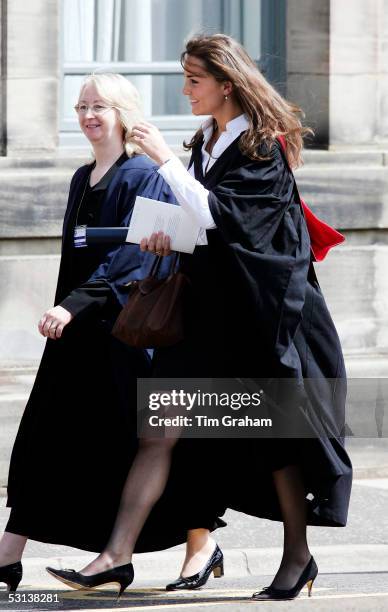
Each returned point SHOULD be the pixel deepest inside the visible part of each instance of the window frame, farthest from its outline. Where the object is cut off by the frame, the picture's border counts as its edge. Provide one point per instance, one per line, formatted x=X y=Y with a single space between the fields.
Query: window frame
x=178 y=127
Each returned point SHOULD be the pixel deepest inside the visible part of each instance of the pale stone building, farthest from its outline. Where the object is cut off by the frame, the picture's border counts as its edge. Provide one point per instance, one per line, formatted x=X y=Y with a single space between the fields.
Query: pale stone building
x=329 y=56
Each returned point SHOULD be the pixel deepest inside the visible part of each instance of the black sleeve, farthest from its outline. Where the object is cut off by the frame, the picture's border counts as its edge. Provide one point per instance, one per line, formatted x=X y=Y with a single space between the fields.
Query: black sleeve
x=90 y=295
x=125 y=262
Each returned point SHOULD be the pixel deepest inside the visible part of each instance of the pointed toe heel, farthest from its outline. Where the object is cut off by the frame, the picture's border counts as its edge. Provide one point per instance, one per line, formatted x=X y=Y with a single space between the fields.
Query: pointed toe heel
x=11 y=575
x=122 y=576
x=307 y=577
x=13 y=586
x=215 y=565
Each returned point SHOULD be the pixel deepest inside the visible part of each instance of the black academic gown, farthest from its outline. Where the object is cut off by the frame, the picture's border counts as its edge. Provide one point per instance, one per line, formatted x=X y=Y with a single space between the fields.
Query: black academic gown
x=77 y=437
x=256 y=311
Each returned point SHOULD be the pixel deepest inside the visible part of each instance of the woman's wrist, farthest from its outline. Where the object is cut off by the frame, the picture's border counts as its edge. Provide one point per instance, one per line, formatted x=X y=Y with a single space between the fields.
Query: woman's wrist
x=163 y=159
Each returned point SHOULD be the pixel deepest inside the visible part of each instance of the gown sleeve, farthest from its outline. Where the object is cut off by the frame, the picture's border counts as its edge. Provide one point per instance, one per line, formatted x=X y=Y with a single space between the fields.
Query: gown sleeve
x=89 y=295
x=257 y=213
x=124 y=263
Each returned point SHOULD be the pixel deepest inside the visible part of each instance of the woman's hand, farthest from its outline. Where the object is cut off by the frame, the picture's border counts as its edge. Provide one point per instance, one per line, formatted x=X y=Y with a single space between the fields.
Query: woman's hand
x=148 y=137
x=54 y=321
x=157 y=243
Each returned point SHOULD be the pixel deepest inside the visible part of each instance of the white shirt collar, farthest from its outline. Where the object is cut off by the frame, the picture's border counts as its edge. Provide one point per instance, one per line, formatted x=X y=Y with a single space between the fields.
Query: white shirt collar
x=238 y=124
x=233 y=128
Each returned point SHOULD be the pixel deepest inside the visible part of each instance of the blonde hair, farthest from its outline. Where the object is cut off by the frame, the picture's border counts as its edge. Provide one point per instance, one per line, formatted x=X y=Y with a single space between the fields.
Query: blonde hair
x=115 y=90
x=268 y=113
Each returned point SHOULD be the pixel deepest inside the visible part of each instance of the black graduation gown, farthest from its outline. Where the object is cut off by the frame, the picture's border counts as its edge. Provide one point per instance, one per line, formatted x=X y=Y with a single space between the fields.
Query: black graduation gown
x=256 y=311
x=77 y=437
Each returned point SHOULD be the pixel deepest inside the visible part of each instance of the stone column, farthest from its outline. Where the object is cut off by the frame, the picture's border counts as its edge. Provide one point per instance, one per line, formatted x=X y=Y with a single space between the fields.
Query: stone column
x=308 y=65
x=358 y=71
x=32 y=76
x=138 y=46
x=337 y=66
x=3 y=73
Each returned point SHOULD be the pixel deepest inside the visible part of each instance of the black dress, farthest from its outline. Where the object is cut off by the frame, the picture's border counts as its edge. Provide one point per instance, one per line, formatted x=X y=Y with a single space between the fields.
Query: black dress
x=77 y=437
x=256 y=311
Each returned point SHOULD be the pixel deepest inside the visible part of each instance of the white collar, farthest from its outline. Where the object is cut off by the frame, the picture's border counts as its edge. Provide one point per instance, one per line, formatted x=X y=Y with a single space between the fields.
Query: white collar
x=234 y=127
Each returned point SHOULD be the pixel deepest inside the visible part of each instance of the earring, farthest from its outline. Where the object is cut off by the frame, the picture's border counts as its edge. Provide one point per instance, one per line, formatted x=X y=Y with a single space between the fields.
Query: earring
x=226 y=97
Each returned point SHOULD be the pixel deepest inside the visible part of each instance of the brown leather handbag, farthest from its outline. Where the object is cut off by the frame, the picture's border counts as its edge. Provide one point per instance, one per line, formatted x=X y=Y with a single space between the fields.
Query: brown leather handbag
x=153 y=314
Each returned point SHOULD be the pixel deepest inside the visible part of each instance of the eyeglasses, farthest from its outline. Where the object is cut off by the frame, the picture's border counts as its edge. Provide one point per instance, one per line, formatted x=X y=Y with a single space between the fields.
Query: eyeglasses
x=97 y=109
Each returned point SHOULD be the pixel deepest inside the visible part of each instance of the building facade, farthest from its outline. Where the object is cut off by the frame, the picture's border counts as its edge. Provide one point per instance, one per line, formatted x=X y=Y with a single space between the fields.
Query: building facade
x=329 y=56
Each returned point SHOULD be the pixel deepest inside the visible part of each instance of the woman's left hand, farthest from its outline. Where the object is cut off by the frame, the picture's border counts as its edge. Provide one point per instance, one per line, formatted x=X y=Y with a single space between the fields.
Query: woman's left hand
x=149 y=138
x=54 y=321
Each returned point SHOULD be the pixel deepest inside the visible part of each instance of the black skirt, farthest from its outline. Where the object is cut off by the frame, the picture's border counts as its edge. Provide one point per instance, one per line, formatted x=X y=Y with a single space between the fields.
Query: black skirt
x=221 y=342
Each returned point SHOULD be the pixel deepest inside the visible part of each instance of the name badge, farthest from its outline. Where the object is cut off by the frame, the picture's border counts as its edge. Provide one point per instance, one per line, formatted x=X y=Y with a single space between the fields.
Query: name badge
x=80 y=236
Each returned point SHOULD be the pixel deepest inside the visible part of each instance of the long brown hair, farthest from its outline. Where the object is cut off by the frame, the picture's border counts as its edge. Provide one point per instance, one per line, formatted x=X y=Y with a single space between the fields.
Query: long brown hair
x=268 y=113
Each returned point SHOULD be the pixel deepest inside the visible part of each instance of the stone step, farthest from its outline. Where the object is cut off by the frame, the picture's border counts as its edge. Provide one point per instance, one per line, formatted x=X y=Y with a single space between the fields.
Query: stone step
x=331 y=181
x=72 y=157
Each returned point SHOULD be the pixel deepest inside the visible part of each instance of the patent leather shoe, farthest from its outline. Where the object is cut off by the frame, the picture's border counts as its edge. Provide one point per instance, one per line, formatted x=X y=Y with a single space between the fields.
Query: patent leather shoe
x=122 y=575
x=308 y=576
x=11 y=575
x=215 y=564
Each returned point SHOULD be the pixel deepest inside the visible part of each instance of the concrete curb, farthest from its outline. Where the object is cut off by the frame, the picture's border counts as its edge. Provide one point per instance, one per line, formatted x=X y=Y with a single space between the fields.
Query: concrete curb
x=370 y=472
x=164 y=566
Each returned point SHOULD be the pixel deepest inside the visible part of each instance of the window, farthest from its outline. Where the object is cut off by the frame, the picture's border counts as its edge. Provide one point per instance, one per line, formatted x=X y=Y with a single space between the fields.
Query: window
x=143 y=39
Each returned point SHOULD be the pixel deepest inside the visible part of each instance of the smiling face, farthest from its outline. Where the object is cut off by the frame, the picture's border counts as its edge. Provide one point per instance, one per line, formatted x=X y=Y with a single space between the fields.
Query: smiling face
x=206 y=95
x=98 y=127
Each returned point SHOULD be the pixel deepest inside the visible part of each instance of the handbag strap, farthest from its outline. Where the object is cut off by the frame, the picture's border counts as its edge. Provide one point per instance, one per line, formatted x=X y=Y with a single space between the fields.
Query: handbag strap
x=174 y=261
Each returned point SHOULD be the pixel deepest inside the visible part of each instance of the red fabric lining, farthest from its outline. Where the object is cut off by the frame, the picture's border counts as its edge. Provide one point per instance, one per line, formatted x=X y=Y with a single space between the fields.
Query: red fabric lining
x=323 y=237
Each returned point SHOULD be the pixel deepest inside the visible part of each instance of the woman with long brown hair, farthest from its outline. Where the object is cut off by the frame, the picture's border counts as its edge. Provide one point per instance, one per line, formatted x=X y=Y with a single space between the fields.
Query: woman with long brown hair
x=255 y=310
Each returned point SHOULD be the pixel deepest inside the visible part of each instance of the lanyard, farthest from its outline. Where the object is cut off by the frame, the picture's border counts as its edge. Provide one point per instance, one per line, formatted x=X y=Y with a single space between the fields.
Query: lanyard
x=79 y=240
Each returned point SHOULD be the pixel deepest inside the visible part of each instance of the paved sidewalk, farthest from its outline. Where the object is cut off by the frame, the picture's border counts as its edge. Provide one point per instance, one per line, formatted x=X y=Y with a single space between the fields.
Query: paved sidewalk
x=331 y=593
x=353 y=568
x=252 y=546
x=353 y=561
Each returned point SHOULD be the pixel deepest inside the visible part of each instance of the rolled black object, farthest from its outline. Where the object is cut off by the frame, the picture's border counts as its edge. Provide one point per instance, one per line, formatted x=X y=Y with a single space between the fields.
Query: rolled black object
x=113 y=235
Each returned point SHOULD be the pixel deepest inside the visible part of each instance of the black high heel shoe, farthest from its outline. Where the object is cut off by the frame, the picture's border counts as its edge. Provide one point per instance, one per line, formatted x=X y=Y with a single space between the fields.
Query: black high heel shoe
x=11 y=575
x=215 y=565
x=308 y=576
x=122 y=575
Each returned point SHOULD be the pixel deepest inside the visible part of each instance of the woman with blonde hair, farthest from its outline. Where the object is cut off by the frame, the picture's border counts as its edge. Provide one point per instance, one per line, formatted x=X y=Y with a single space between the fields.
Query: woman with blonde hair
x=255 y=311
x=77 y=438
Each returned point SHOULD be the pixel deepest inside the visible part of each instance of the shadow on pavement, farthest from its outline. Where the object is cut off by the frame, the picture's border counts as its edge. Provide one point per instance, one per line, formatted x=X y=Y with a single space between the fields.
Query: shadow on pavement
x=106 y=599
